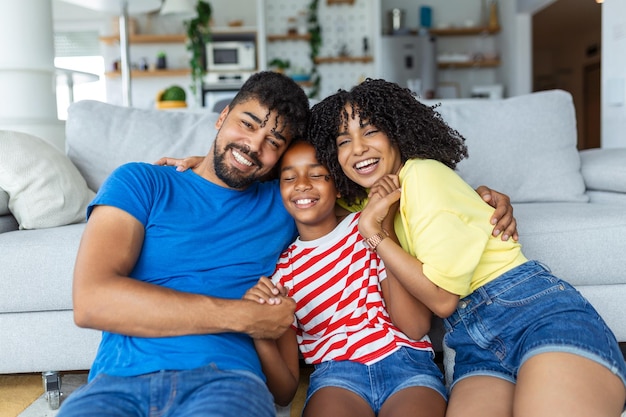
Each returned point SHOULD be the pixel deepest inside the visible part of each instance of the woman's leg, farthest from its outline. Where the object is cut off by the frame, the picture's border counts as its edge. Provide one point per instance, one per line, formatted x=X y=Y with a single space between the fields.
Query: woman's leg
x=415 y=402
x=334 y=401
x=559 y=384
x=481 y=396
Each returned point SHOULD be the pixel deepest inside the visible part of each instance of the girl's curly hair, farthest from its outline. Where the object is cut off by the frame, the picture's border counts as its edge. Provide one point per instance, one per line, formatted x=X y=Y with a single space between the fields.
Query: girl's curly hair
x=415 y=128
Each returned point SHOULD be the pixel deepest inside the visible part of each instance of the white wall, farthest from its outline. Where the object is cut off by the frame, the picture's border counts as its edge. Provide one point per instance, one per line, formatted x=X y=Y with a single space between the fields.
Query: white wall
x=614 y=74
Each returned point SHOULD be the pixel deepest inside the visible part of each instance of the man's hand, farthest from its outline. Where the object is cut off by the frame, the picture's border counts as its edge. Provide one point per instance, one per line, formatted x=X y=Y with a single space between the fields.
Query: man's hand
x=272 y=322
x=502 y=219
x=181 y=164
x=265 y=321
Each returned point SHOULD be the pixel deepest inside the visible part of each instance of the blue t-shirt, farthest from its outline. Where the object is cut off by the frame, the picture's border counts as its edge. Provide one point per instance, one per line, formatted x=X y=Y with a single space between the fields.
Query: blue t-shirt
x=199 y=238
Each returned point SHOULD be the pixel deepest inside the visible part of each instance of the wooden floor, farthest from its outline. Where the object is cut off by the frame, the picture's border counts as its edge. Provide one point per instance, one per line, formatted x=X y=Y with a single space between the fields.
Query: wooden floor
x=18 y=391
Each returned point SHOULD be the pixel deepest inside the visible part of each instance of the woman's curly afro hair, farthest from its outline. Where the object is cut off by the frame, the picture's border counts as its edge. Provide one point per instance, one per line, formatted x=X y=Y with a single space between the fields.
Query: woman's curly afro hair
x=416 y=129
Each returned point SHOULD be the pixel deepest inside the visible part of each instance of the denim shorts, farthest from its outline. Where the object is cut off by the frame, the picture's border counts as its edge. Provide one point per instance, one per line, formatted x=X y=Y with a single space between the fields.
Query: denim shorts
x=522 y=313
x=205 y=391
x=404 y=368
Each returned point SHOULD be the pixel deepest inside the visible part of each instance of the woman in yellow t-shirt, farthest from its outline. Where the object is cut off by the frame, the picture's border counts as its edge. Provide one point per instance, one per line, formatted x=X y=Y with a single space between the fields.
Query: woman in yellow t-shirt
x=526 y=342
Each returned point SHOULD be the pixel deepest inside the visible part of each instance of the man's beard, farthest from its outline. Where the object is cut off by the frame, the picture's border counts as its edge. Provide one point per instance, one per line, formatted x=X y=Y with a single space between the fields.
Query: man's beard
x=231 y=176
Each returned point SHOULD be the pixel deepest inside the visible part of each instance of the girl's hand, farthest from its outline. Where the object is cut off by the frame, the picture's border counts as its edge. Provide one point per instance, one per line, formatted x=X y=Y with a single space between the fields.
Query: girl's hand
x=266 y=292
x=181 y=164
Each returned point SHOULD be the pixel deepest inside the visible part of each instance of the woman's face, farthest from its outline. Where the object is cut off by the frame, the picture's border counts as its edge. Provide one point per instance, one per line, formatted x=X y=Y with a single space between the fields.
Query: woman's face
x=365 y=153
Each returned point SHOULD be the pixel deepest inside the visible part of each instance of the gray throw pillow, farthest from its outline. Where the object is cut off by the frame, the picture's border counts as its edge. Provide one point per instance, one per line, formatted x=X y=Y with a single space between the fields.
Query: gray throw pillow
x=100 y=136
x=524 y=146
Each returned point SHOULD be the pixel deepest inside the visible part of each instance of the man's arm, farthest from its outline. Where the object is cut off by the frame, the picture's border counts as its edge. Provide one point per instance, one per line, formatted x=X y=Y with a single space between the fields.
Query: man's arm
x=105 y=297
x=502 y=218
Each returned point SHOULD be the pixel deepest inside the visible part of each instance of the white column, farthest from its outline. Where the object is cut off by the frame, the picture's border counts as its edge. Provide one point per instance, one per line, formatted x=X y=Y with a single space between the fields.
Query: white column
x=27 y=76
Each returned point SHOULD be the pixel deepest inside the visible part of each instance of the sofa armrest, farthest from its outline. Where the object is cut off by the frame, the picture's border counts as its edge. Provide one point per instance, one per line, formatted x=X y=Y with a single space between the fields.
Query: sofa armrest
x=604 y=171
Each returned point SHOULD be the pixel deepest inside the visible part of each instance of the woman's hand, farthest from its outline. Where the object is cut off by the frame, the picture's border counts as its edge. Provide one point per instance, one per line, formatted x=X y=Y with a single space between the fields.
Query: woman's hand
x=502 y=219
x=181 y=164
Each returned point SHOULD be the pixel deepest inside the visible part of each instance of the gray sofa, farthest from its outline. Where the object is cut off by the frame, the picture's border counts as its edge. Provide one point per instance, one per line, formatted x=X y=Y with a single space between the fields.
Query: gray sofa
x=571 y=208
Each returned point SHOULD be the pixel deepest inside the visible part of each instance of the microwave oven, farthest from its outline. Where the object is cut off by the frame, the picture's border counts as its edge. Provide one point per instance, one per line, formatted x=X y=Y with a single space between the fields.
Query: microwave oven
x=231 y=56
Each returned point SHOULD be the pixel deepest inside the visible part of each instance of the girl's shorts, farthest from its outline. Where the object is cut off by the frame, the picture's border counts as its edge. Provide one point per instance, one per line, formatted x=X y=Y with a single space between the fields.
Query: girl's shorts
x=522 y=313
x=404 y=368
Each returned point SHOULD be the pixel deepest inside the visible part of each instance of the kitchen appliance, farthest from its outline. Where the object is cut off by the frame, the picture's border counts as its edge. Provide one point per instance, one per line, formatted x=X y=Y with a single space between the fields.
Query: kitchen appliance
x=231 y=55
x=410 y=61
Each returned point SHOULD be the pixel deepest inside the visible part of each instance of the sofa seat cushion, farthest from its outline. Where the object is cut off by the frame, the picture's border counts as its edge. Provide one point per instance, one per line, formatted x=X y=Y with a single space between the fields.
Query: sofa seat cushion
x=37 y=268
x=582 y=243
x=100 y=136
x=45 y=189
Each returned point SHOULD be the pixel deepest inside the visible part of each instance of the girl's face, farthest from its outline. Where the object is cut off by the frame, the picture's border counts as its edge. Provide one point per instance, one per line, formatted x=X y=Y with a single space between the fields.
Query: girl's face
x=365 y=153
x=308 y=192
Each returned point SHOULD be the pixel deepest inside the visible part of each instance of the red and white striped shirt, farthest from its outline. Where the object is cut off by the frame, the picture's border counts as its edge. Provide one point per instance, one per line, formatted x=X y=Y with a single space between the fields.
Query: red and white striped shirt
x=340 y=311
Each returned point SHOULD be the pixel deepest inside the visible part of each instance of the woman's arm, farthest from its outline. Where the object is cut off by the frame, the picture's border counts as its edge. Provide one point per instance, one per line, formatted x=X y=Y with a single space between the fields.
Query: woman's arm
x=408 y=313
x=404 y=267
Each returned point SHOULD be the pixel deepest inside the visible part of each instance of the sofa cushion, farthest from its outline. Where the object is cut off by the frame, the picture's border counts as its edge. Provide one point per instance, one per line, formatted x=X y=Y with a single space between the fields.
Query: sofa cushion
x=604 y=169
x=44 y=188
x=100 y=136
x=4 y=203
x=524 y=146
x=37 y=268
x=580 y=242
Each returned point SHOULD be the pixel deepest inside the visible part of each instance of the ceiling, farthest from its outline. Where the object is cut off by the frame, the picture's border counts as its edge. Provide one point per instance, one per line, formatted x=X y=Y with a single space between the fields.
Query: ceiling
x=563 y=19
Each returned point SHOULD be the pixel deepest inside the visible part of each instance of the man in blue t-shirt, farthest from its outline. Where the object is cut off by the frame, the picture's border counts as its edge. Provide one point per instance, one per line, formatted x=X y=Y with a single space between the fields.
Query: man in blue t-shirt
x=166 y=258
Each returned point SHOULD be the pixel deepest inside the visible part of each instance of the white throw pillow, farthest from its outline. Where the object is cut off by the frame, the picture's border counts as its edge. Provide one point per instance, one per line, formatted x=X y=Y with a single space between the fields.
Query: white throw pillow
x=45 y=189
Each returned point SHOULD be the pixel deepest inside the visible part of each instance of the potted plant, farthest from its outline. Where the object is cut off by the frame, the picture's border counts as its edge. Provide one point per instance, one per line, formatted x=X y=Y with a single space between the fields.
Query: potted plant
x=279 y=65
x=198 y=34
x=161 y=62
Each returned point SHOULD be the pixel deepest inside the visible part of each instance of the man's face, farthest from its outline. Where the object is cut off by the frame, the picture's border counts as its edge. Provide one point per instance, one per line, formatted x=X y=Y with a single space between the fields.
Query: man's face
x=248 y=144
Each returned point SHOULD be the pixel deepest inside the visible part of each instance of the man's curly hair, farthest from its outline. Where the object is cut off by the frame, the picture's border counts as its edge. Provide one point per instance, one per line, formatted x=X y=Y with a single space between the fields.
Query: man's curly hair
x=415 y=128
x=278 y=93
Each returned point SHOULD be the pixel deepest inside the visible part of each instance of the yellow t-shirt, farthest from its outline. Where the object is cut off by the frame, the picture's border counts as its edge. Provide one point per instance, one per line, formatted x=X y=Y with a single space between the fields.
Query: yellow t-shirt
x=445 y=224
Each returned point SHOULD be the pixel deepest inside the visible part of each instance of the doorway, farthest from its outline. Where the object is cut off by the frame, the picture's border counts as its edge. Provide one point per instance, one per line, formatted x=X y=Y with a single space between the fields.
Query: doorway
x=592 y=104
x=566 y=48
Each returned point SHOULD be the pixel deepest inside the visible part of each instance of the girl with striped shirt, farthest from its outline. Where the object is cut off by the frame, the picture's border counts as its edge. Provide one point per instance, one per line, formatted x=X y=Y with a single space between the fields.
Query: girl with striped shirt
x=365 y=365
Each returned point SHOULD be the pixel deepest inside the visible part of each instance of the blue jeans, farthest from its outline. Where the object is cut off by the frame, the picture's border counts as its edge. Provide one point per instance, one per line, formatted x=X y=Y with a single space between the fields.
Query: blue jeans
x=205 y=391
x=375 y=383
x=524 y=312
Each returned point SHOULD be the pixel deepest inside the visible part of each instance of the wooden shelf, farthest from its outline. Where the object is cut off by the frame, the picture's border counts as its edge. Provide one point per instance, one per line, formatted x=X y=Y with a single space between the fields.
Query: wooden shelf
x=471 y=31
x=487 y=63
x=175 y=38
x=181 y=72
x=287 y=37
x=339 y=59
